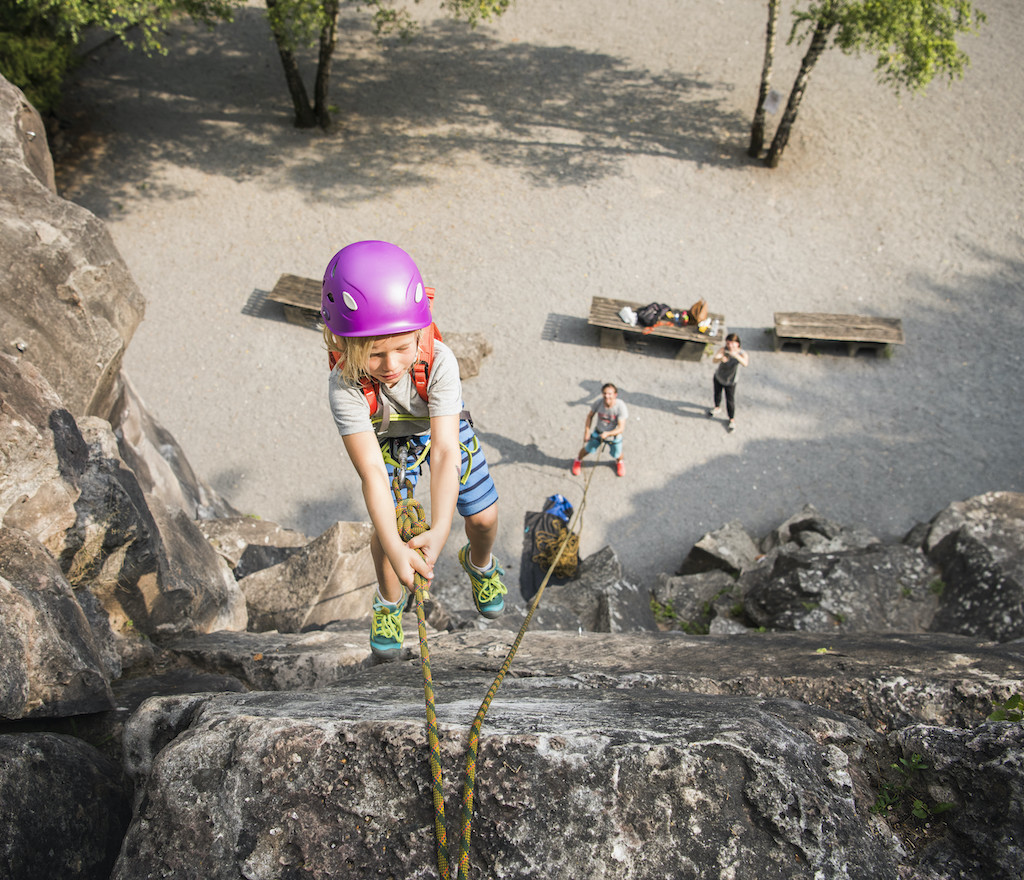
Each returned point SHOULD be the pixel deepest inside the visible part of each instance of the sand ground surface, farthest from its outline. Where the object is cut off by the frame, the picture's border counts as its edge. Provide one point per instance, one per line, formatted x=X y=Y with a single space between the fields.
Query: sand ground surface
x=574 y=149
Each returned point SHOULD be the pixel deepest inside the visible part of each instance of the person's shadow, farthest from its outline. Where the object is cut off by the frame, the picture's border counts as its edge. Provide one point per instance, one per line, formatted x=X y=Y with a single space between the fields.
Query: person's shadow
x=521 y=453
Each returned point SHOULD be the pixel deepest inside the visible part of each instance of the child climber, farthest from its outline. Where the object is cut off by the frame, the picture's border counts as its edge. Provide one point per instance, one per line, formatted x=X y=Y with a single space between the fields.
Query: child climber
x=376 y=311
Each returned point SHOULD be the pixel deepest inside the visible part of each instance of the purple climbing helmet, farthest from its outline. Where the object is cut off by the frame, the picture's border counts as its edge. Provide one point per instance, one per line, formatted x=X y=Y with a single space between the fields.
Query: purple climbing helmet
x=373 y=288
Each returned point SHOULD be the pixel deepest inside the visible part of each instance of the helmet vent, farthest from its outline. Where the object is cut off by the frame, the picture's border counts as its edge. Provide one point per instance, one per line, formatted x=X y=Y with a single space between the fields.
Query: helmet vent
x=349 y=300
x=419 y=292
x=330 y=296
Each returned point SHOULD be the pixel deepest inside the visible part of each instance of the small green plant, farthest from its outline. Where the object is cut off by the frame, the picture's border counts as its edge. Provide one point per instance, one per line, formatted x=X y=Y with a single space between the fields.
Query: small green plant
x=736 y=610
x=1011 y=710
x=906 y=592
x=694 y=627
x=923 y=811
x=937 y=586
x=663 y=613
x=896 y=799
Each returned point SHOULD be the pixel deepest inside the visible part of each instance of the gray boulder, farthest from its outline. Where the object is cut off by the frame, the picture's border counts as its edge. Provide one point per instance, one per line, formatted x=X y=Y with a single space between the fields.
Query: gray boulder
x=272 y=661
x=331 y=578
x=249 y=545
x=601 y=597
x=64 y=808
x=980 y=772
x=979 y=546
x=148 y=565
x=40 y=452
x=809 y=530
x=69 y=305
x=598 y=757
x=690 y=602
x=331 y=789
x=192 y=589
x=729 y=549
x=52 y=662
x=882 y=588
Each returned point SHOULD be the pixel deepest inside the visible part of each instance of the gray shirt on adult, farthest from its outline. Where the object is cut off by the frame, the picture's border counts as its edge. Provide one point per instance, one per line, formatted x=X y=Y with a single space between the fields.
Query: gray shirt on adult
x=608 y=417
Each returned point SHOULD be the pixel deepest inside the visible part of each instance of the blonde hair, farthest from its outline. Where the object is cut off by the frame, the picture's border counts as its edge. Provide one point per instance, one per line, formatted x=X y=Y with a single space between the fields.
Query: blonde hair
x=354 y=353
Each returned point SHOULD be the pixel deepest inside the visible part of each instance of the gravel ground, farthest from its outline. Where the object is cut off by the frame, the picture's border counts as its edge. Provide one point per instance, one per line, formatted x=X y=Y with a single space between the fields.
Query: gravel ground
x=569 y=150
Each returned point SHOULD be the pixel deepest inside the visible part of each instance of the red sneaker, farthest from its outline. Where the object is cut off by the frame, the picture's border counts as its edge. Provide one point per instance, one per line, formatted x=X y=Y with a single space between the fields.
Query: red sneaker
x=620 y=468
x=576 y=467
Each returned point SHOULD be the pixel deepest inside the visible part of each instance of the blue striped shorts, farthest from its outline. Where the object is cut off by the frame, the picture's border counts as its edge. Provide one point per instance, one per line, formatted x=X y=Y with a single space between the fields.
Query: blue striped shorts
x=476 y=490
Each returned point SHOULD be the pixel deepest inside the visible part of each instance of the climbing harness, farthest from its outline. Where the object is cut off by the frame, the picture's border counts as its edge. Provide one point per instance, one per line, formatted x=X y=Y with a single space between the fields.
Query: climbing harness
x=396 y=452
x=411 y=521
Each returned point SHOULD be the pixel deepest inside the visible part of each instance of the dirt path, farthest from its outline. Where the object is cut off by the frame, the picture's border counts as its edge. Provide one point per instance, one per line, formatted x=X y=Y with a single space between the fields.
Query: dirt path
x=555 y=156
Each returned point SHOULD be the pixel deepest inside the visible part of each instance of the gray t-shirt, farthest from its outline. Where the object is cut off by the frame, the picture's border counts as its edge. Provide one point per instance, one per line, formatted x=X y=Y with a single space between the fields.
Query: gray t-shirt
x=410 y=414
x=608 y=417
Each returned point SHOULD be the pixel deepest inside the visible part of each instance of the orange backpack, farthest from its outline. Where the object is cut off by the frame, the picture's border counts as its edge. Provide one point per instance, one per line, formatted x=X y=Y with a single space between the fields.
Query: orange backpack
x=420 y=368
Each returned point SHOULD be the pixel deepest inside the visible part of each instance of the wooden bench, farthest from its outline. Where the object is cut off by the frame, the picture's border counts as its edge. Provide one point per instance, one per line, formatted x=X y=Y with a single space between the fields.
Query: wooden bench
x=856 y=331
x=604 y=314
x=299 y=297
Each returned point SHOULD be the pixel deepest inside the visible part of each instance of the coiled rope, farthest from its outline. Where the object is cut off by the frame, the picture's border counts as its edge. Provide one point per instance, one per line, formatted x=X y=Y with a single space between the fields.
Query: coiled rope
x=411 y=521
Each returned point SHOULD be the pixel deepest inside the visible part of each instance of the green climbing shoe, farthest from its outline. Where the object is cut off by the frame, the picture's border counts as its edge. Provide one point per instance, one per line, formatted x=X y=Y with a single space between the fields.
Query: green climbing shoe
x=487 y=586
x=386 y=634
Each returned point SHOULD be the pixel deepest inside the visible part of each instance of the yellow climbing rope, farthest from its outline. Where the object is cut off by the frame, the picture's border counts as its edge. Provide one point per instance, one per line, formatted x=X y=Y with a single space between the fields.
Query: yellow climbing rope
x=559 y=544
x=412 y=521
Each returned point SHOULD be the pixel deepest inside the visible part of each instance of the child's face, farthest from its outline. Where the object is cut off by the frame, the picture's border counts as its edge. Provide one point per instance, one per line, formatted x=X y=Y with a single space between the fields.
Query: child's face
x=391 y=356
x=732 y=346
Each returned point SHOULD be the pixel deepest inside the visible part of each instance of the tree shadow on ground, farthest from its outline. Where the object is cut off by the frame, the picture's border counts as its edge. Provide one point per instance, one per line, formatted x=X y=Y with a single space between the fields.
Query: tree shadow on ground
x=217 y=103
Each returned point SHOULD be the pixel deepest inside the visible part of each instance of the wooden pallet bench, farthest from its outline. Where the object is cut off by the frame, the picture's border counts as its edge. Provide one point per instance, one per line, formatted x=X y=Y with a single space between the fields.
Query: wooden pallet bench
x=855 y=331
x=299 y=297
x=614 y=332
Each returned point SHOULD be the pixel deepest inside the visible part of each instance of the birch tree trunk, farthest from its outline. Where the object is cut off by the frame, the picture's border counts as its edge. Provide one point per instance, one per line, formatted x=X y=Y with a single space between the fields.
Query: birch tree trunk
x=328 y=40
x=304 y=117
x=757 y=129
x=818 y=43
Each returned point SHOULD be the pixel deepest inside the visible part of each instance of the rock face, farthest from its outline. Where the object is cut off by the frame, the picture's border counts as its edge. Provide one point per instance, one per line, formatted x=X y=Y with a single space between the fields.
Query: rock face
x=602 y=739
x=878 y=589
x=979 y=546
x=69 y=803
x=968 y=767
x=728 y=549
x=602 y=599
x=148 y=565
x=332 y=578
x=961 y=573
x=249 y=545
x=69 y=304
x=53 y=660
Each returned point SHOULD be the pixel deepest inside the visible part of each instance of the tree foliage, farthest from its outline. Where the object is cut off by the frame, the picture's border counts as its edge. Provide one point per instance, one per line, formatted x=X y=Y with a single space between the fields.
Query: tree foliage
x=913 y=42
x=38 y=38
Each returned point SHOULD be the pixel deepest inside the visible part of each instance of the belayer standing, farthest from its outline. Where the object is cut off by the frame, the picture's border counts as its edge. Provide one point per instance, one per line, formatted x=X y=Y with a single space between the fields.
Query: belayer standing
x=394 y=385
x=611 y=414
x=730 y=357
